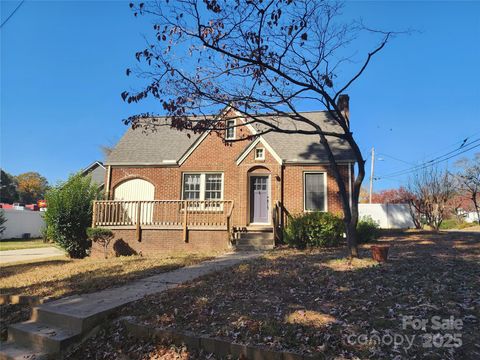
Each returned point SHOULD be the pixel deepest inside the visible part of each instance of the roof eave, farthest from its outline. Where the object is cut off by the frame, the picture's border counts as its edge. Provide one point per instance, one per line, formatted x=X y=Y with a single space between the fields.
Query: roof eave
x=120 y=163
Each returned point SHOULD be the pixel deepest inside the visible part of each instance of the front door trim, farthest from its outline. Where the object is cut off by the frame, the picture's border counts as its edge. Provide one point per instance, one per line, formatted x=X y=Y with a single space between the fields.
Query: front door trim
x=269 y=200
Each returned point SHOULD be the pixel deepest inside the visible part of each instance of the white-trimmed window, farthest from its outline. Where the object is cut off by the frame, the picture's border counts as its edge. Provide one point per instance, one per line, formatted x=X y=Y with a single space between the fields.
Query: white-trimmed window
x=230 y=129
x=203 y=186
x=315 y=191
x=191 y=186
x=259 y=154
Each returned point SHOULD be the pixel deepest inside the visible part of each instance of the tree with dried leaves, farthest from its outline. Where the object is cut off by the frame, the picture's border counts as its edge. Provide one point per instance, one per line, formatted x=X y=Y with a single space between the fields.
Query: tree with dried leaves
x=391 y=196
x=31 y=187
x=468 y=182
x=431 y=190
x=256 y=57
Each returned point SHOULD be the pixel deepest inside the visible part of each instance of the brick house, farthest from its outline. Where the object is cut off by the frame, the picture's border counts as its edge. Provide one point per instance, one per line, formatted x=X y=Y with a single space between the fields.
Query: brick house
x=172 y=191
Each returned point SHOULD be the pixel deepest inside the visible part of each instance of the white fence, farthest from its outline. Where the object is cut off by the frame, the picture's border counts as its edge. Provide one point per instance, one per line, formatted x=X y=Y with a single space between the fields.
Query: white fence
x=388 y=216
x=471 y=217
x=20 y=222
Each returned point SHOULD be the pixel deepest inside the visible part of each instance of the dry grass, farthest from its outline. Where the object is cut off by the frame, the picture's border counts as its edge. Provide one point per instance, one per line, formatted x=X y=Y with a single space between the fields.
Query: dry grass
x=57 y=277
x=311 y=301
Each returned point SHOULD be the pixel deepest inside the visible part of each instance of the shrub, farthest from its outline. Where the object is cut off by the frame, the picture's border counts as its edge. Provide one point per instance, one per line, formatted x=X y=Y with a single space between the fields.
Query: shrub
x=69 y=213
x=102 y=236
x=367 y=230
x=316 y=229
x=449 y=224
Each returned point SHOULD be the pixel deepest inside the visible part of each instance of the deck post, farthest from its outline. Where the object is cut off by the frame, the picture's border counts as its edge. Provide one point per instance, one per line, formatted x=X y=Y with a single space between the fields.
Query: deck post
x=138 y=230
x=94 y=213
x=185 y=219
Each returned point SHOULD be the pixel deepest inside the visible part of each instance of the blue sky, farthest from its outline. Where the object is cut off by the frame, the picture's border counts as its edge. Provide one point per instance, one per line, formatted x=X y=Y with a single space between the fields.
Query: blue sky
x=63 y=69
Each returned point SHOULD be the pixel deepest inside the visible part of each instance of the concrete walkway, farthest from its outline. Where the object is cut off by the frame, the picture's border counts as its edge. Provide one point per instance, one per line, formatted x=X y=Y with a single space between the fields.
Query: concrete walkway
x=9 y=256
x=58 y=324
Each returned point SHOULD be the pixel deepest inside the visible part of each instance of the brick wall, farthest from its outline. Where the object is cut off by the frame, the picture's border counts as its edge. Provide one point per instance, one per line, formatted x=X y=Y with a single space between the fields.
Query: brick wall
x=294 y=187
x=213 y=155
x=166 y=241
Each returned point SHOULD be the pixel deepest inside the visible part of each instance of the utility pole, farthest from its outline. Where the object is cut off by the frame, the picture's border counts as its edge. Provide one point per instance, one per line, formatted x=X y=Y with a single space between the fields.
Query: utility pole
x=371 y=175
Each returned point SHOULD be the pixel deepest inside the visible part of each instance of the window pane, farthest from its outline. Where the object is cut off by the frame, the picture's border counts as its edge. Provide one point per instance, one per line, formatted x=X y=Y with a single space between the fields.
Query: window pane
x=259 y=153
x=315 y=192
x=191 y=186
x=230 y=134
x=213 y=186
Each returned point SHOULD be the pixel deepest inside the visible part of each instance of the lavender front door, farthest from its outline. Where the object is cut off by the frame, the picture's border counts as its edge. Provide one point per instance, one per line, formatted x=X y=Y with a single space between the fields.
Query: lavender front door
x=259 y=199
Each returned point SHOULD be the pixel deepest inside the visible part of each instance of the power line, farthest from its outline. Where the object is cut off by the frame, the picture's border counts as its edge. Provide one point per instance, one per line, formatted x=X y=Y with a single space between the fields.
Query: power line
x=430 y=163
x=461 y=142
x=394 y=158
x=13 y=12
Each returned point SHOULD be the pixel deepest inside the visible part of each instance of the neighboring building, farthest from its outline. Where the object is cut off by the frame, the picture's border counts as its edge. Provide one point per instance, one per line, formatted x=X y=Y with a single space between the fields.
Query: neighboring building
x=235 y=189
x=97 y=171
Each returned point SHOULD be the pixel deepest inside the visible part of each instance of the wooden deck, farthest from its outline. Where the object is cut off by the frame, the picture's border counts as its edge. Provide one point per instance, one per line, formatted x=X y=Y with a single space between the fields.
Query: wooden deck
x=164 y=214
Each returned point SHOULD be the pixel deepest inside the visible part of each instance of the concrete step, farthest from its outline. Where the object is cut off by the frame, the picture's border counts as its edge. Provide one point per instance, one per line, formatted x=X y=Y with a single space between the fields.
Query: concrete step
x=255 y=235
x=253 y=247
x=41 y=336
x=13 y=351
x=255 y=241
x=50 y=317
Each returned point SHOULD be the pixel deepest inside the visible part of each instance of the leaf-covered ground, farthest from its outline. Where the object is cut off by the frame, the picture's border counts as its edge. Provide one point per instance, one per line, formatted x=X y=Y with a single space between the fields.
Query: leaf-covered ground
x=59 y=277
x=317 y=301
x=114 y=343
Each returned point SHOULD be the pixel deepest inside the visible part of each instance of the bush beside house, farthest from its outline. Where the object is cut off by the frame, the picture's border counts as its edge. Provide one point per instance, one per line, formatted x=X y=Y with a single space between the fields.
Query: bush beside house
x=315 y=229
x=323 y=229
x=367 y=230
x=69 y=214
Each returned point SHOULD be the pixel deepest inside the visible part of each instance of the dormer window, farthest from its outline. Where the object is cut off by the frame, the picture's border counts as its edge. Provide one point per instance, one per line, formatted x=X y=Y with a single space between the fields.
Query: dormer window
x=230 y=130
x=259 y=154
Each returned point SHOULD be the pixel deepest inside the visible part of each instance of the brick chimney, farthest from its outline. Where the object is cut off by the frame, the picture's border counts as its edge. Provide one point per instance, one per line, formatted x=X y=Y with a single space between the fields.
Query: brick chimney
x=344 y=106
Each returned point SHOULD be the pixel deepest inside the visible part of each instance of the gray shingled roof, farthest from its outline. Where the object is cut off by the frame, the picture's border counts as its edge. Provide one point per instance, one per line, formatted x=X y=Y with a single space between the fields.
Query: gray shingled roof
x=307 y=148
x=163 y=146
x=166 y=145
x=97 y=171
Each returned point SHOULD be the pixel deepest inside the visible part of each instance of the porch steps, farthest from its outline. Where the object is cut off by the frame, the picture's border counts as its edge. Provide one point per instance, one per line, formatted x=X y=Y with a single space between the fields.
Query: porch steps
x=57 y=325
x=12 y=351
x=42 y=337
x=255 y=239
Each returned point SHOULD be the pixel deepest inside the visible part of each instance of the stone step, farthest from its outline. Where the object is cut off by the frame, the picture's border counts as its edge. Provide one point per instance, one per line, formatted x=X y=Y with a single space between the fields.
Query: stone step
x=13 y=351
x=253 y=247
x=42 y=337
x=255 y=241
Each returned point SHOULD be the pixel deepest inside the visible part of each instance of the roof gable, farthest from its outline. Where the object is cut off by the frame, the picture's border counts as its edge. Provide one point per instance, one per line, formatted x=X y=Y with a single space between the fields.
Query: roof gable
x=167 y=146
x=252 y=145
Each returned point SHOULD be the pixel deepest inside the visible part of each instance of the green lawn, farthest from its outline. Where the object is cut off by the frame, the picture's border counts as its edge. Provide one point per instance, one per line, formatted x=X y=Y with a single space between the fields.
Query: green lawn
x=16 y=244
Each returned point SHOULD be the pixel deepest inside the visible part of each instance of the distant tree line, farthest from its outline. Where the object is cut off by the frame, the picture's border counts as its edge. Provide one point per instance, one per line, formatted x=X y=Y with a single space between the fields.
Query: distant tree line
x=24 y=188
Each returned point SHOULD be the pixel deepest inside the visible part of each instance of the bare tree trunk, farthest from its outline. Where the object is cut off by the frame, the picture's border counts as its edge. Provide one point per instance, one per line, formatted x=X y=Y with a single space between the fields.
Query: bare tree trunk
x=477 y=207
x=352 y=237
x=350 y=212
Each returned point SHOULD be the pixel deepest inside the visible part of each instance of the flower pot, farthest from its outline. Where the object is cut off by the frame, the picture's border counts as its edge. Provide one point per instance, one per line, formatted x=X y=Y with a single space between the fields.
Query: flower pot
x=380 y=252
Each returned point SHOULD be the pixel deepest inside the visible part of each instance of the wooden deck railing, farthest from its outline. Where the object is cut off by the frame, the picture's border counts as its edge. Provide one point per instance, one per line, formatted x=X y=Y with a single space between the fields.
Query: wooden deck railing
x=166 y=214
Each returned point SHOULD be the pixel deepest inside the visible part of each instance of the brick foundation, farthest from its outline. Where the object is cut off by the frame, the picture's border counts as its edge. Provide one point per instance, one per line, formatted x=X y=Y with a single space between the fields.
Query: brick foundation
x=164 y=241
